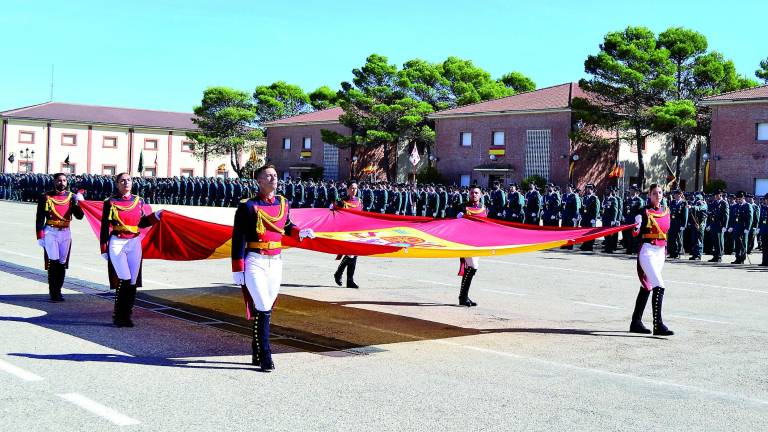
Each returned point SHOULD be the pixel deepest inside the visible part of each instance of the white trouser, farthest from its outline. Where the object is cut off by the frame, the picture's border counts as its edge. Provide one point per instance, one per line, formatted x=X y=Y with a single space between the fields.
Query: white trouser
x=651 y=259
x=473 y=262
x=263 y=275
x=125 y=256
x=57 y=242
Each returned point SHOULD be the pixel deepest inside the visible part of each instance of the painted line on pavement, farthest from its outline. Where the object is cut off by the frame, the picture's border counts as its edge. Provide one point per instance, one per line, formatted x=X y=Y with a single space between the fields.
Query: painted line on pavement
x=624 y=276
x=597 y=305
x=689 y=388
x=434 y=282
x=701 y=319
x=19 y=372
x=503 y=292
x=99 y=409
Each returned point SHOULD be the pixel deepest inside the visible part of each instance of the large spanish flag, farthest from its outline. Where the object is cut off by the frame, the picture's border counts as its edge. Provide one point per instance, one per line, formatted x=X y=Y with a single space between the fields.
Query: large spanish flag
x=342 y=232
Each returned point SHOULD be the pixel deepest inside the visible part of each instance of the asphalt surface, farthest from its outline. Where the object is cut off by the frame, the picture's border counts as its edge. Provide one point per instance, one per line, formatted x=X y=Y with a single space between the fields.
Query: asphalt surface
x=546 y=349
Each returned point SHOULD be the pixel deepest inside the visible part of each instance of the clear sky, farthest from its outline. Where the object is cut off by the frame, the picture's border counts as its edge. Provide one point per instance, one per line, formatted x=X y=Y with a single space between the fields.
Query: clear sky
x=158 y=54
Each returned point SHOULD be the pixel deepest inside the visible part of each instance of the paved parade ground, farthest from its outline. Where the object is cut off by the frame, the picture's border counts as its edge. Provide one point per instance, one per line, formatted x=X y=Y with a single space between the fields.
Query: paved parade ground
x=546 y=349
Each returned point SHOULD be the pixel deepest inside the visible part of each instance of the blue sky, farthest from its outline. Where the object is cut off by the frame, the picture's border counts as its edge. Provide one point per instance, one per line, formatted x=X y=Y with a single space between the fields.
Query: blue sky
x=163 y=54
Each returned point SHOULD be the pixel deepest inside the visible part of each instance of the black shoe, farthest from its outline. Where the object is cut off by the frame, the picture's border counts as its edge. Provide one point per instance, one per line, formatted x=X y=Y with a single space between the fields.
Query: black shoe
x=694 y=258
x=715 y=260
x=466 y=302
x=351 y=284
x=337 y=278
x=638 y=327
x=466 y=281
x=738 y=262
x=122 y=322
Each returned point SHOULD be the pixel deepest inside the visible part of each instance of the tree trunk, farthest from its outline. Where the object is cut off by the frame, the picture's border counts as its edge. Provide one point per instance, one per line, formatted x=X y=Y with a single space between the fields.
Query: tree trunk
x=639 y=140
x=698 y=164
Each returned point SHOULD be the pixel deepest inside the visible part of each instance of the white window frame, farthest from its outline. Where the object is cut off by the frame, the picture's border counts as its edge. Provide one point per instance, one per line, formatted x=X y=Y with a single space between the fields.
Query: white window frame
x=286 y=143
x=465 y=139
x=307 y=143
x=762 y=131
x=465 y=180
x=495 y=135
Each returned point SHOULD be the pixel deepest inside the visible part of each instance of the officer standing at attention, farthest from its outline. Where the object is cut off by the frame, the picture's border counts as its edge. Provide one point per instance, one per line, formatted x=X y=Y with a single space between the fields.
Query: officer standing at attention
x=678 y=211
x=610 y=217
x=515 y=211
x=697 y=219
x=533 y=204
x=632 y=207
x=742 y=221
x=718 y=222
x=589 y=213
x=763 y=230
x=551 y=214
x=498 y=202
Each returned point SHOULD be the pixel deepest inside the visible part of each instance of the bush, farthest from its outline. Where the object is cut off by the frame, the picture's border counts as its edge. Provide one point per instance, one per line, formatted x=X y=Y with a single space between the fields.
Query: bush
x=538 y=180
x=429 y=174
x=713 y=185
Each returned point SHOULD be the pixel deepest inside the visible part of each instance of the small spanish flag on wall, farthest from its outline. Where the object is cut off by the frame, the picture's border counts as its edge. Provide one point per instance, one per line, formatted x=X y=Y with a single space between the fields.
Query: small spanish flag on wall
x=616 y=172
x=497 y=152
x=306 y=153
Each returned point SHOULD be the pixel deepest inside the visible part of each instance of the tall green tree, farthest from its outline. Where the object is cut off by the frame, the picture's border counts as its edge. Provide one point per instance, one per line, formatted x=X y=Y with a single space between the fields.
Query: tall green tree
x=518 y=82
x=323 y=98
x=630 y=74
x=762 y=73
x=225 y=120
x=279 y=100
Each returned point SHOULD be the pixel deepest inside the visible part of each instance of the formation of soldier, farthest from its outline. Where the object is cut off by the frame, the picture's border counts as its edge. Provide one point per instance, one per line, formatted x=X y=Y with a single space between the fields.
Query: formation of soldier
x=717 y=224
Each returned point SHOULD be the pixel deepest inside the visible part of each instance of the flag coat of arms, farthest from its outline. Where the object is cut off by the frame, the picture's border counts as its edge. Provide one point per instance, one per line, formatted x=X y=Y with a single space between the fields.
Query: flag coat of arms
x=414 y=158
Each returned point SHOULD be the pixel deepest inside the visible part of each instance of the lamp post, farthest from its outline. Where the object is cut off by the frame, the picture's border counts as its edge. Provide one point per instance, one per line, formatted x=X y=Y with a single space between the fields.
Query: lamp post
x=26 y=155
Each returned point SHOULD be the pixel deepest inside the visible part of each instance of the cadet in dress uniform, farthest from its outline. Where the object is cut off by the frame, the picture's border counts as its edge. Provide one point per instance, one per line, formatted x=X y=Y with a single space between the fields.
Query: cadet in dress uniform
x=610 y=217
x=260 y=223
x=122 y=216
x=54 y=214
x=718 y=222
x=742 y=221
x=678 y=211
x=651 y=227
x=348 y=262
x=469 y=265
x=697 y=219
x=589 y=212
x=533 y=204
x=515 y=211
x=551 y=214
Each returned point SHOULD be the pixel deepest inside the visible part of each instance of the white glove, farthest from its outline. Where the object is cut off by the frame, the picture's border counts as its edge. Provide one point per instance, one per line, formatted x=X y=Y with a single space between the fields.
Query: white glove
x=41 y=242
x=105 y=256
x=306 y=233
x=158 y=214
x=730 y=229
x=238 y=278
x=707 y=228
x=723 y=229
x=533 y=214
x=552 y=217
x=459 y=215
x=592 y=221
x=79 y=197
x=746 y=231
x=330 y=207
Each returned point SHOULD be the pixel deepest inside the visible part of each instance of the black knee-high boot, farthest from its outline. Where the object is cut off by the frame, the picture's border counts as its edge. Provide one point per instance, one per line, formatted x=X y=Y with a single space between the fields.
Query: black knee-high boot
x=121 y=316
x=351 y=273
x=55 y=280
x=636 y=326
x=262 y=351
x=659 y=329
x=340 y=271
x=466 y=281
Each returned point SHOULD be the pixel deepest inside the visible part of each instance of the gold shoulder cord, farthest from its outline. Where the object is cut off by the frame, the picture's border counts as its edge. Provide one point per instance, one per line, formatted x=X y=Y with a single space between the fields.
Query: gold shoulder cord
x=474 y=212
x=114 y=214
x=263 y=218
x=51 y=203
x=652 y=223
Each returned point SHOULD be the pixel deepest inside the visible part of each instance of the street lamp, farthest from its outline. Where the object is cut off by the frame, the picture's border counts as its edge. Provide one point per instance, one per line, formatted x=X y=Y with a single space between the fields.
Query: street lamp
x=26 y=154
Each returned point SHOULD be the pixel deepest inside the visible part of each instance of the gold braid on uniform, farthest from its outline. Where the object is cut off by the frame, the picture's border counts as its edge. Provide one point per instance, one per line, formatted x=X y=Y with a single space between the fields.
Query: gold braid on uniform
x=114 y=215
x=471 y=212
x=652 y=223
x=51 y=203
x=263 y=218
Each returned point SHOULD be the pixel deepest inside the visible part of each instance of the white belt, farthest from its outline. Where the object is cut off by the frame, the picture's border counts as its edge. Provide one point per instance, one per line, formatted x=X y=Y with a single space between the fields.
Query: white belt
x=258 y=255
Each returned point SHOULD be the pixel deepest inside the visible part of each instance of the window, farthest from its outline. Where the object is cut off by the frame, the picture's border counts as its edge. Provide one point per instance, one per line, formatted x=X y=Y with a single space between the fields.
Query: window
x=108 y=170
x=26 y=167
x=330 y=161
x=464 y=180
x=68 y=139
x=68 y=169
x=307 y=143
x=109 y=142
x=286 y=143
x=633 y=146
x=466 y=139
x=26 y=137
x=537 y=152
x=498 y=138
x=150 y=172
x=187 y=172
x=187 y=146
x=762 y=131
x=150 y=144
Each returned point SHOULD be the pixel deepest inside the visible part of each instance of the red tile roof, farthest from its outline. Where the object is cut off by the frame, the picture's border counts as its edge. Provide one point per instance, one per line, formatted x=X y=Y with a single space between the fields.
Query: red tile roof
x=330 y=115
x=548 y=98
x=739 y=95
x=103 y=115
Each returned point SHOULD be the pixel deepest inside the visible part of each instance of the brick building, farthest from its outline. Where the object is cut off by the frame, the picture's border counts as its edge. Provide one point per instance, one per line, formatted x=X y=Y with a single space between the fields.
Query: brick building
x=101 y=140
x=739 y=139
x=511 y=138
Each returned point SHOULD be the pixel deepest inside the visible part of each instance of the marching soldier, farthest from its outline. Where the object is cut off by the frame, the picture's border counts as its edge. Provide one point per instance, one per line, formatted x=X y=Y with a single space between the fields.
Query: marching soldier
x=122 y=216
x=54 y=214
x=469 y=265
x=589 y=213
x=718 y=223
x=260 y=223
x=678 y=213
x=742 y=221
x=348 y=262
x=533 y=204
x=698 y=222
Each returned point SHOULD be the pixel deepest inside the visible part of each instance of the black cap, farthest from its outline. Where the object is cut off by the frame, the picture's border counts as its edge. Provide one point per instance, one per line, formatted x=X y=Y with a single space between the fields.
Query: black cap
x=718 y=192
x=677 y=191
x=740 y=194
x=633 y=187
